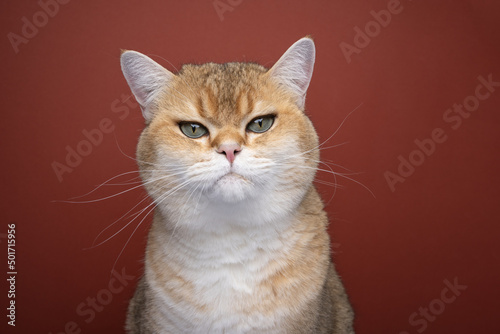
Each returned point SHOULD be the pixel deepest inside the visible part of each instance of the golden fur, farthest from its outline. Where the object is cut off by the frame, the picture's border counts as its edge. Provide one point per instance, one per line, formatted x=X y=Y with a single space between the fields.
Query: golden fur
x=288 y=279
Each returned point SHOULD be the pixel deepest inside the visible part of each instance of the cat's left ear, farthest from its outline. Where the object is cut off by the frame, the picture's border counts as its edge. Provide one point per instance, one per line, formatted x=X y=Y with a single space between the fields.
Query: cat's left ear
x=146 y=79
x=294 y=69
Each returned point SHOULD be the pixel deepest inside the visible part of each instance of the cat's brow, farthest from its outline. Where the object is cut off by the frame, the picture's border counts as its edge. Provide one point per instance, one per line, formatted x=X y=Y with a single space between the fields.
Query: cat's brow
x=207 y=102
x=262 y=108
x=244 y=102
x=187 y=113
x=232 y=109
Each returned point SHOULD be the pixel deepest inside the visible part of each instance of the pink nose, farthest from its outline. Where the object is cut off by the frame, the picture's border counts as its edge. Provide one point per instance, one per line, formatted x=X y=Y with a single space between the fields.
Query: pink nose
x=229 y=150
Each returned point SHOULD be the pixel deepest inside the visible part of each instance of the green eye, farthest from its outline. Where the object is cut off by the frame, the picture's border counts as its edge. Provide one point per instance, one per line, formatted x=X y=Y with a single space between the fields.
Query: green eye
x=193 y=130
x=261 y=124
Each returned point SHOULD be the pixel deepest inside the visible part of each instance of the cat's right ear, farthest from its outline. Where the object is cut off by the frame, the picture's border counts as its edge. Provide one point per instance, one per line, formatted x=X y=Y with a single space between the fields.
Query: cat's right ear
x=294 y=69
x=146 y=79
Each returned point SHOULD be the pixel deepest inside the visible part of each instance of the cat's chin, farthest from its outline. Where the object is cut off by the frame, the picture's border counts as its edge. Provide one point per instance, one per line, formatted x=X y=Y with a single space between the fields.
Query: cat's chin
x=232 y=187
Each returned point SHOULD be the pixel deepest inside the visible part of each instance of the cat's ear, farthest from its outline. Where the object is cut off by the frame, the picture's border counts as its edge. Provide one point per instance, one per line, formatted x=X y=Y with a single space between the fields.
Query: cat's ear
x=294 y=69
x=145 y=77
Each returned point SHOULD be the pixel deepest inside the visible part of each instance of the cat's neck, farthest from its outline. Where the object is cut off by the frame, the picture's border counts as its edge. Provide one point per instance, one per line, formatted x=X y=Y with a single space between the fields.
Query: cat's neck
x=224 y=239
x=270 y=211
x=238 y=241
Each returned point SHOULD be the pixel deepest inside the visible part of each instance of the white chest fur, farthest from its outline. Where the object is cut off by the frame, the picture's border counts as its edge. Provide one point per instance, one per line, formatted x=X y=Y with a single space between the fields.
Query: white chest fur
x=219 y=283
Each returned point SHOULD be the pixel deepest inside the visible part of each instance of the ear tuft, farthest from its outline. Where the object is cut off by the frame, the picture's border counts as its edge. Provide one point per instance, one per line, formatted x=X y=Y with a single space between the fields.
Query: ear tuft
x=294 y=69
x=145 y=77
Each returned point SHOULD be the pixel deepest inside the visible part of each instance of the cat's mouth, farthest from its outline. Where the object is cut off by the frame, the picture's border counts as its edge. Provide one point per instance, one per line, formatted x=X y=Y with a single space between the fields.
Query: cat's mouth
x=232 y=176
x=232 y=187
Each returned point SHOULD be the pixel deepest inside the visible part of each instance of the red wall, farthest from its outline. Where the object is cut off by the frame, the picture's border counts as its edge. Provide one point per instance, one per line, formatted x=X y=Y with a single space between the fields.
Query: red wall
x=397 y=251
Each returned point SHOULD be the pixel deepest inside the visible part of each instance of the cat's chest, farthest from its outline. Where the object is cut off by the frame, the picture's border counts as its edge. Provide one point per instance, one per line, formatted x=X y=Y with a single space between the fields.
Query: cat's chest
x=226 y=300
x=228 y=289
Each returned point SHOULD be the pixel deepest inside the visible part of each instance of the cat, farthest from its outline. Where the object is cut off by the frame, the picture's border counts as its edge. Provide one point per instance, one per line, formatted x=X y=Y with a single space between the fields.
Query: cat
x=239 y=240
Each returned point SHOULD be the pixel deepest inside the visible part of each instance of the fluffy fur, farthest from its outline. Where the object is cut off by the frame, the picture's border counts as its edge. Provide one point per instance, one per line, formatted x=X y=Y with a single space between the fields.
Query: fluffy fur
x=237 y=247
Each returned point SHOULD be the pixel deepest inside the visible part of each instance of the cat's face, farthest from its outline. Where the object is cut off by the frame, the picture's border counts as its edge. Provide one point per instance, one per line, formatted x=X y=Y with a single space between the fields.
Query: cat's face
x=231 y=137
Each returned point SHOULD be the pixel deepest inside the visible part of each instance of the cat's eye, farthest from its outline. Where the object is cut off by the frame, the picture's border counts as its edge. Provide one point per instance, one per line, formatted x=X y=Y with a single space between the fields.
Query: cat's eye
x=193 y=130
x=261 y=124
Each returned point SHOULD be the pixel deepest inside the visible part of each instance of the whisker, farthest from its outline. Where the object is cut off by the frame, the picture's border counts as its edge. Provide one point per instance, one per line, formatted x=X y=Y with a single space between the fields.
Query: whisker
x=329 y=162
x=335 y=184
x=333 y=134
x=137 y=215
x=131 y=235
x=342 y=123
x=333 y=146
x=123 y=184
x=348 y=178
x=103 y=198
x=317 y=147
x=122 y=192
x=344 y=175
x=102 y=184
x=113 y=223
x=332 y=184
x=160 y=200
x=144 y=162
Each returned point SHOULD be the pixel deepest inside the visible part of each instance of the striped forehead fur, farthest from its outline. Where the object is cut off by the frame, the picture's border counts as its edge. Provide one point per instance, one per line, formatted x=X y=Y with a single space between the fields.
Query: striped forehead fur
x=222 y=89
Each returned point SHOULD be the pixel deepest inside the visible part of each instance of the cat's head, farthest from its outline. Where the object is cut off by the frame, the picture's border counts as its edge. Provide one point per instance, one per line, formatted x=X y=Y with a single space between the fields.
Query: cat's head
x=230 y=138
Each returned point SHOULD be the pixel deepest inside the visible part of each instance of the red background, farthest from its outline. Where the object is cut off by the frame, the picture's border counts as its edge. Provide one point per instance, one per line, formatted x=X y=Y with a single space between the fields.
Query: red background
x=394 y=250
